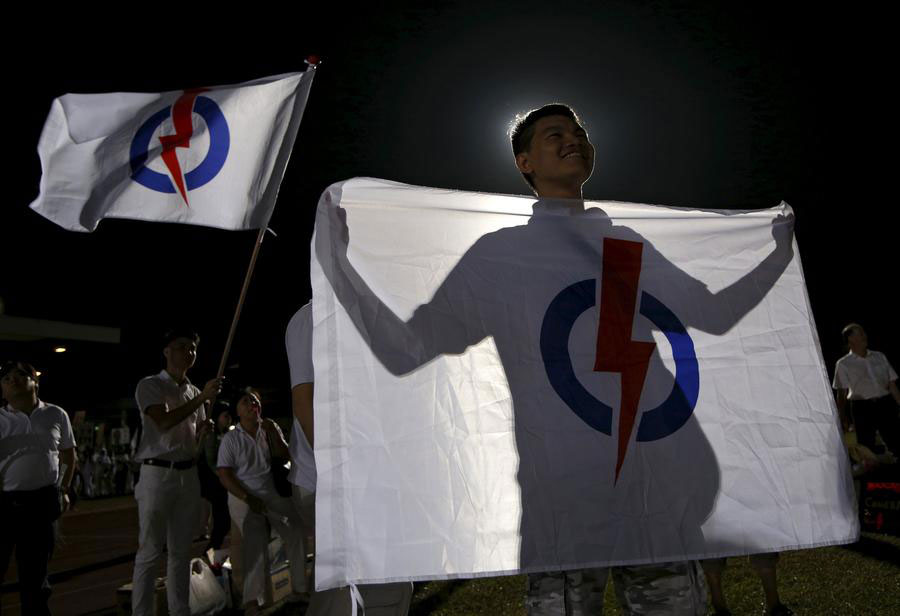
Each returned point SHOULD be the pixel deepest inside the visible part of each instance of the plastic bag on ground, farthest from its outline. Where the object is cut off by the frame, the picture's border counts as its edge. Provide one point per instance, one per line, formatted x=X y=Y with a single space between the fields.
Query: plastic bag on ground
x=207 y=595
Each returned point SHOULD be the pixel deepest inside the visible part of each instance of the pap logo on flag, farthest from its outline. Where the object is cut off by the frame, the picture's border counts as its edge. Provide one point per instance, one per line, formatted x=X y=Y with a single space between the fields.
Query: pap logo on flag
x=617 y=352
x=181 y=112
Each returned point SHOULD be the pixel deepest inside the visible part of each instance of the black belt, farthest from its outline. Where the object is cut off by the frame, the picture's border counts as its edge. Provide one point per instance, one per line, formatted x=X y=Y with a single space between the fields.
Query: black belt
x=178 y=466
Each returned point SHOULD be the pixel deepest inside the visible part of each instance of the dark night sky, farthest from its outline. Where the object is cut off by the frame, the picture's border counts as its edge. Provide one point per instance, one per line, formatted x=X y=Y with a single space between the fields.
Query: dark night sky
x=709 y=105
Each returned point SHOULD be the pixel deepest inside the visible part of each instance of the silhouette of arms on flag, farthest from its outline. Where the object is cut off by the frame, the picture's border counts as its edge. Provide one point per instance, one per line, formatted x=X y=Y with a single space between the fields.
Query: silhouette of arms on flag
x=455 y=318
x=724 y=309
x=438 y=327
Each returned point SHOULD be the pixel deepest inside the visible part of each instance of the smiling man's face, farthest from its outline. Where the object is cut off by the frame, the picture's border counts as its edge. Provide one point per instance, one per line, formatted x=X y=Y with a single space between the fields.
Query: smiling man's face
x=249 y=407
x=560 y=153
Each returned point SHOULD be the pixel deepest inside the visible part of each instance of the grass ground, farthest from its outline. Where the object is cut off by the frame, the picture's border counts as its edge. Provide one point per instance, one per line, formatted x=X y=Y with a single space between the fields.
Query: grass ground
x=860 y=579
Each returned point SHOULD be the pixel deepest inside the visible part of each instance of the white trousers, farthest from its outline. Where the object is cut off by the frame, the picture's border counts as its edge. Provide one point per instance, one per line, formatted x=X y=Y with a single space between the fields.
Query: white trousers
x=168 y=505
x=254 y=527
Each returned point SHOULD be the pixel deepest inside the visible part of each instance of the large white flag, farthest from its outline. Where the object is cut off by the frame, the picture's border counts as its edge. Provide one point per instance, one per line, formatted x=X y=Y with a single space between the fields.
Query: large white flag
x=507 y=385
x=205 y=156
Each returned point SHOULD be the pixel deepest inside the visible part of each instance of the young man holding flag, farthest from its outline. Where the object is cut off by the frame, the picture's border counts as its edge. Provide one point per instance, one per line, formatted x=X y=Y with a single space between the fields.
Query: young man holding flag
x=168 y=492
x=556 y=158
x=582 y=500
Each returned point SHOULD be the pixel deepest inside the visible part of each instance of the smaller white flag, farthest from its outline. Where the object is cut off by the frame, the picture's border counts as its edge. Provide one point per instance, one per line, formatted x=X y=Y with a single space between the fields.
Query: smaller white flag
x=206 y=156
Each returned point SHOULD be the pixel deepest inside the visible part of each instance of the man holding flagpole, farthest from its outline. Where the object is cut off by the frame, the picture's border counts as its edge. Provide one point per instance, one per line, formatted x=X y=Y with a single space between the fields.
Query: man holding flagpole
x=168 y=492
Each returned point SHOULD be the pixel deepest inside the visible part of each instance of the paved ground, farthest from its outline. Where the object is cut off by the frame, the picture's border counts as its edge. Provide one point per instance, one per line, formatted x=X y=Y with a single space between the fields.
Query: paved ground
x=93 y=559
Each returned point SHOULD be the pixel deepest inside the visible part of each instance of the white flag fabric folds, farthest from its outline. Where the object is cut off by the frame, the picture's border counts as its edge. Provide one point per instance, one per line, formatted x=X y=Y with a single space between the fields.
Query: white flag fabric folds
x=508 y=385
x=205 y=156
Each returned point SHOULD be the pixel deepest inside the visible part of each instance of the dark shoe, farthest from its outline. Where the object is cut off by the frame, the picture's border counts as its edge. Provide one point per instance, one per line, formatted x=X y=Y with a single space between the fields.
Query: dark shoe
x=781 y=610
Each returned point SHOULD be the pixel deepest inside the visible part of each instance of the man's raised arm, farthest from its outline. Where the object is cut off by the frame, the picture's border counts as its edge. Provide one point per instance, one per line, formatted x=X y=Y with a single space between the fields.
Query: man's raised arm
x=437 y=327
x=166 y=420
x=723 y=310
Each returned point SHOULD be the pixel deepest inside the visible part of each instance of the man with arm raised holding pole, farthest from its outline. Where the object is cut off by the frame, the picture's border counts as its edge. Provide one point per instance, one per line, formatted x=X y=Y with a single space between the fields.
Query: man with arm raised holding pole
x=168 y=492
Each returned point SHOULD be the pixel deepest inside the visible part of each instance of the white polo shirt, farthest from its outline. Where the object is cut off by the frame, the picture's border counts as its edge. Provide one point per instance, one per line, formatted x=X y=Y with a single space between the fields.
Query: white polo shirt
x=866 y=377
x=30 y=445
x=250 y=458
x=298 y=340
x=179 y=442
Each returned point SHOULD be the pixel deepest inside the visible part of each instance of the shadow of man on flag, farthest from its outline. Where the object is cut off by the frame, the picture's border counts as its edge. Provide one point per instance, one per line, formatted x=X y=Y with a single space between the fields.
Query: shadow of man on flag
x=591 y=325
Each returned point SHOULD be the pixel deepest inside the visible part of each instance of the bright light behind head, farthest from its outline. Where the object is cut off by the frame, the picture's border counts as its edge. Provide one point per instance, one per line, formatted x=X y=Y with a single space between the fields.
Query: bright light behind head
x=59 y=349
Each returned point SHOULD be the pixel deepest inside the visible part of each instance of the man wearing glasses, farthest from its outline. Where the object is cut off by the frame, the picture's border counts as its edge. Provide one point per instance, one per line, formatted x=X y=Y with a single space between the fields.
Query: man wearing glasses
x=168 y=492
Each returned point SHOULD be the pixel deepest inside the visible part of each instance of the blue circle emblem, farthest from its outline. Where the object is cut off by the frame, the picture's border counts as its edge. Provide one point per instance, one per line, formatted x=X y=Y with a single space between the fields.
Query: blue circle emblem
x=219 y=143
x=655 y=424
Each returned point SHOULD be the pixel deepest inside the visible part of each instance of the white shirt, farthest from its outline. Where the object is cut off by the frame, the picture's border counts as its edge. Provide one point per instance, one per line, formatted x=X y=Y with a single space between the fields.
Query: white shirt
x=30 y=445
x=178 y=443
x=250 y=458
x=298 y=340
x=866 y=377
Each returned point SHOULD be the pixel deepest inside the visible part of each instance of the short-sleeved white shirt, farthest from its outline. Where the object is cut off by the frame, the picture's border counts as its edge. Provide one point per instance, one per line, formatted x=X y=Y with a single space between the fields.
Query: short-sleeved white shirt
x=866 y=377
x=298 y=340
x=30 y=446
x=179 y=442
x=250 y=457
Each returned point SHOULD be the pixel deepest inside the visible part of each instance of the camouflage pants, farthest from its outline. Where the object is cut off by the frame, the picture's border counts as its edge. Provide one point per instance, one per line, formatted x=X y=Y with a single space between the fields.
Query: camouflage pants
x=671 y=589
x=566 y=593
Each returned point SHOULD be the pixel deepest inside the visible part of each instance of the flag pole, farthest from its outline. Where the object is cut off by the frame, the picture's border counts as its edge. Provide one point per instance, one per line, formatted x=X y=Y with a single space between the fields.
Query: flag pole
x=237 y=311
x=312 y=62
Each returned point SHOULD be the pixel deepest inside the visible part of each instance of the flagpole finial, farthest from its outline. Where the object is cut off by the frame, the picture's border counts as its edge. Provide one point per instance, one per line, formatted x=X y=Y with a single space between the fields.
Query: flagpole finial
x=312 y=60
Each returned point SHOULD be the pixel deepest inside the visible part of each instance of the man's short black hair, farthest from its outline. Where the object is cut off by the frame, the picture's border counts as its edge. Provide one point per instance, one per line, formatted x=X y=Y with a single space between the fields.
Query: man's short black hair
x=245 y=391
x=179 y=332
x=522 y=130
x=24 y=366
x=222 y=406
x=848 y=331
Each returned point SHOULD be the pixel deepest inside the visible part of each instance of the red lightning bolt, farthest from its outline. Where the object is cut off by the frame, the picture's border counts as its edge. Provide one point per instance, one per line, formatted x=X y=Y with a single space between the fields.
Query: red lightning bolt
x=184 y=130
x=616 y=351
